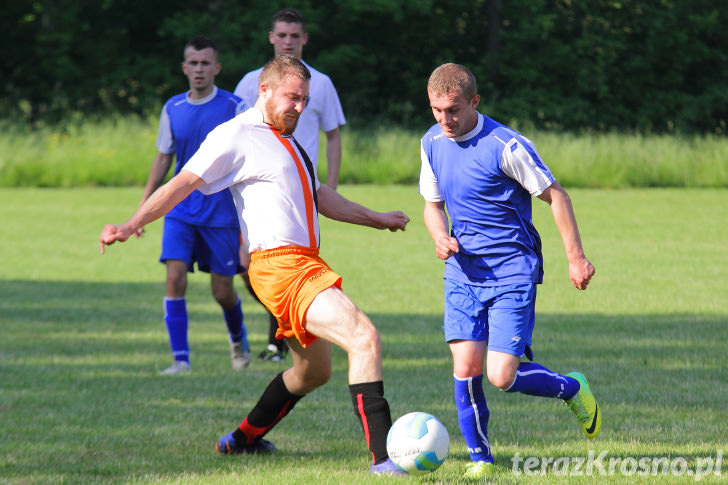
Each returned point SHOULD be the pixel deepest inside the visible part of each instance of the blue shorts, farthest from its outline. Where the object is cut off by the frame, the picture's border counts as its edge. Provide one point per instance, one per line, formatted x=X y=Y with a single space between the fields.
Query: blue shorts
x=503 y=316
x=215 y=249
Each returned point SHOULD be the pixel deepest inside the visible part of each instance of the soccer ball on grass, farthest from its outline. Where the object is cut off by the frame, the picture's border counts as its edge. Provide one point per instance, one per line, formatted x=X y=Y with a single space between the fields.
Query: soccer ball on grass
x=418 y=443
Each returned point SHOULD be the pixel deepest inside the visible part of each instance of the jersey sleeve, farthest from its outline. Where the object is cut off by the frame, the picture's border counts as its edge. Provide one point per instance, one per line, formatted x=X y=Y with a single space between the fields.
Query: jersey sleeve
x=520 y=162
x=217 y=161
x=247 y=88
x=332 y=114
x=165 y=140
x=428 y=187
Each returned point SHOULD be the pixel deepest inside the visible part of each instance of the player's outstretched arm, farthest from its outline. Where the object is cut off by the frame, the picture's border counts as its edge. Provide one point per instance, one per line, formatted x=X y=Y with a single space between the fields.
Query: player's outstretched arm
x=580 y=269
x=159 y=170
x=437 y=225
x=335 y=206
x=158 y=204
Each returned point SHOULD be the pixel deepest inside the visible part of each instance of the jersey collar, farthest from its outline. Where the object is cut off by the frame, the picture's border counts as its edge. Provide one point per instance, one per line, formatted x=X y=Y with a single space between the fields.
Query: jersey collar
x=204 y=100
x=467 y=136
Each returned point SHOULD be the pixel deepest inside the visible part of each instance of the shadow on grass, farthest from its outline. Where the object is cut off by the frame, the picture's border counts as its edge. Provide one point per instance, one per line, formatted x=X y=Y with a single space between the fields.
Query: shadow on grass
x=79 y=365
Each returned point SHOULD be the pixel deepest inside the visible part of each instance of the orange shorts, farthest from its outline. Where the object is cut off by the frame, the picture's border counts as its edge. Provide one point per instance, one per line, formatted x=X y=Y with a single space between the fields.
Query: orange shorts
x=287 y=280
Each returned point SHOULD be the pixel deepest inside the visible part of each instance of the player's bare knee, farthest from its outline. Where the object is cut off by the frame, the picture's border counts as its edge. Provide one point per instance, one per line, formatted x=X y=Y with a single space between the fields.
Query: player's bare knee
x=223 y=290
x=366 y=337
x=226 y=298
x=501 y=377
x=320 y=378
x=176 y=283
x=313 y=378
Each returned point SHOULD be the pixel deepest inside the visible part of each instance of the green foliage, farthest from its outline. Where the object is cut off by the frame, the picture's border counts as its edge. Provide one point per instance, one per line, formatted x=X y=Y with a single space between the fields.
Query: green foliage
x=651 y=67
x=83 y=341
x=615 y=65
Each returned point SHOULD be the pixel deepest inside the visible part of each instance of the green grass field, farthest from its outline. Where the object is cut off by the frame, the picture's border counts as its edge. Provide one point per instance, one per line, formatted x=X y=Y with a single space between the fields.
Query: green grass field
x=82 y=341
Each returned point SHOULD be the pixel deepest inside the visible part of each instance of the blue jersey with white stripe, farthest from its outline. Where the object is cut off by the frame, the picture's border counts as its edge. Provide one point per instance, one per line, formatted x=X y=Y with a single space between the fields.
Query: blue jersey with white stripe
x=482 y=177
x=190 y=123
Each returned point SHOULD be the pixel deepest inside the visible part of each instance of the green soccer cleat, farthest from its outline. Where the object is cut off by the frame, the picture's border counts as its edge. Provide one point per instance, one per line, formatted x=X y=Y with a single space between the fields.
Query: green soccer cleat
x=479 y=470
x=585 y=407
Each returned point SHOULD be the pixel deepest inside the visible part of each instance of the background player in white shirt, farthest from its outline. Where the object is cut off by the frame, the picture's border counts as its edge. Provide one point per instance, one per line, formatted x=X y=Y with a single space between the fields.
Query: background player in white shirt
x=323 y=112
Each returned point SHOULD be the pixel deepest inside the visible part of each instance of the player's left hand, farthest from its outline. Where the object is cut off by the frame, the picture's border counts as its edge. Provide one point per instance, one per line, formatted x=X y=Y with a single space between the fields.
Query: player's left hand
x=112 y=233
x=580 y=273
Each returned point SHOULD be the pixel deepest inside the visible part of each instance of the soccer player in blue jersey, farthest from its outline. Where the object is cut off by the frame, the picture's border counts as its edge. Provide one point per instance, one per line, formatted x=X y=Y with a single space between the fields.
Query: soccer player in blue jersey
x=477 y=178
x=202 y=228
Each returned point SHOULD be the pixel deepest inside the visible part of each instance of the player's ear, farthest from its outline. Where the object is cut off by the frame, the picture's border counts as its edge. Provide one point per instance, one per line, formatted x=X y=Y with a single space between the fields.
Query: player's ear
x=475 y=101
x=270 y=38
x=305 y=38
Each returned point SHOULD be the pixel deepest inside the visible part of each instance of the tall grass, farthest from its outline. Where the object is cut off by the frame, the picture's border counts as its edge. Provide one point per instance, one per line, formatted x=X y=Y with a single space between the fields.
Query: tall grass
x=119 y=151
x=115 y=152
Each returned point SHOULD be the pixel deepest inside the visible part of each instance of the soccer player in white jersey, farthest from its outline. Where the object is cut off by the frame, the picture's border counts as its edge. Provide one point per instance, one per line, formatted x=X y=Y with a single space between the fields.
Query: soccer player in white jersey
x=323 y=112
x=278 y=198
x=477 y=178
x=202 y=229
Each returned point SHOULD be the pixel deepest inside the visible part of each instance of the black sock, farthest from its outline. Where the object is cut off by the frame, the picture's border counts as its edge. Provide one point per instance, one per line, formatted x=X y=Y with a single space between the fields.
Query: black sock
x=272 y=406
x=373 y=412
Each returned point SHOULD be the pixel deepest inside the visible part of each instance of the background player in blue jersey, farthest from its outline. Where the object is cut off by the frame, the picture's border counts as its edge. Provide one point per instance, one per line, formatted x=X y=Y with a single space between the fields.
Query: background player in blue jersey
x=202 y=228
x=323 y=112
x=482 y=175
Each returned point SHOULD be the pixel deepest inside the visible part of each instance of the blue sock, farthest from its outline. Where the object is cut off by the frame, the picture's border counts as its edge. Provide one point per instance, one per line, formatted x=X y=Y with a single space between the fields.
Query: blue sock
x=235 y=324
x=175 y=316
x=473 y=415
x=536 y=380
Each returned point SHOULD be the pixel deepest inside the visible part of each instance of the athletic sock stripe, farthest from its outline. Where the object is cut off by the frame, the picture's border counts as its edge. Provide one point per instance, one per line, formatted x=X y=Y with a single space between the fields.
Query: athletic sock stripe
x=364 y=421
x=535 y=371
x=474 y=405
x=252 y=432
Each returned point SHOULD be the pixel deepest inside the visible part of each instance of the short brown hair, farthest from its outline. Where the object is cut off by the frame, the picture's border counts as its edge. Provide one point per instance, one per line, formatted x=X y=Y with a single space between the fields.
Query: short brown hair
x=279 y=67
x=289 y=16
x=199 y=43
x=453 y=78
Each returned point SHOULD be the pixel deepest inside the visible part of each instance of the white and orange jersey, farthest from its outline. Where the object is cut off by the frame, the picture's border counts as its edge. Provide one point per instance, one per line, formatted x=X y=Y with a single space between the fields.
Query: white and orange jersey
x=271 y=185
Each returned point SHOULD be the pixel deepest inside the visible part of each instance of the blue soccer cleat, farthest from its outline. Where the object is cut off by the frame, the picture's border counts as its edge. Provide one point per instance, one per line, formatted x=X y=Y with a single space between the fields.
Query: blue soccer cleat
x=227 y=445
x=386 y=467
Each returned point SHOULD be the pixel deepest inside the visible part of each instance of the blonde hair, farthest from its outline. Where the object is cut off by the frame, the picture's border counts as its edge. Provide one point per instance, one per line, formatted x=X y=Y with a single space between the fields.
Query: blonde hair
x=452 y=78
x=279 y=67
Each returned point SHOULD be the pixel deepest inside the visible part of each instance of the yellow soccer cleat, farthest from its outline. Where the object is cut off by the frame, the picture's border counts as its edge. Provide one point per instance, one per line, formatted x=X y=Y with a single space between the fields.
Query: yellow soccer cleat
x=479 y=470
x=585 y=407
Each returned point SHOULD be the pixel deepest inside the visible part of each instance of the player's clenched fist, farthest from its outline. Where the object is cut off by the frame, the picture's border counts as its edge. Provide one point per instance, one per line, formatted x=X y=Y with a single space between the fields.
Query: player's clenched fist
x=446 y=246
x=396 y=220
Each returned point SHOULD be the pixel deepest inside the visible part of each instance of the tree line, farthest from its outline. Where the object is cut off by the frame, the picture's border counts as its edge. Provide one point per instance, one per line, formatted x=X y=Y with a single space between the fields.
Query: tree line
x=657 y=66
